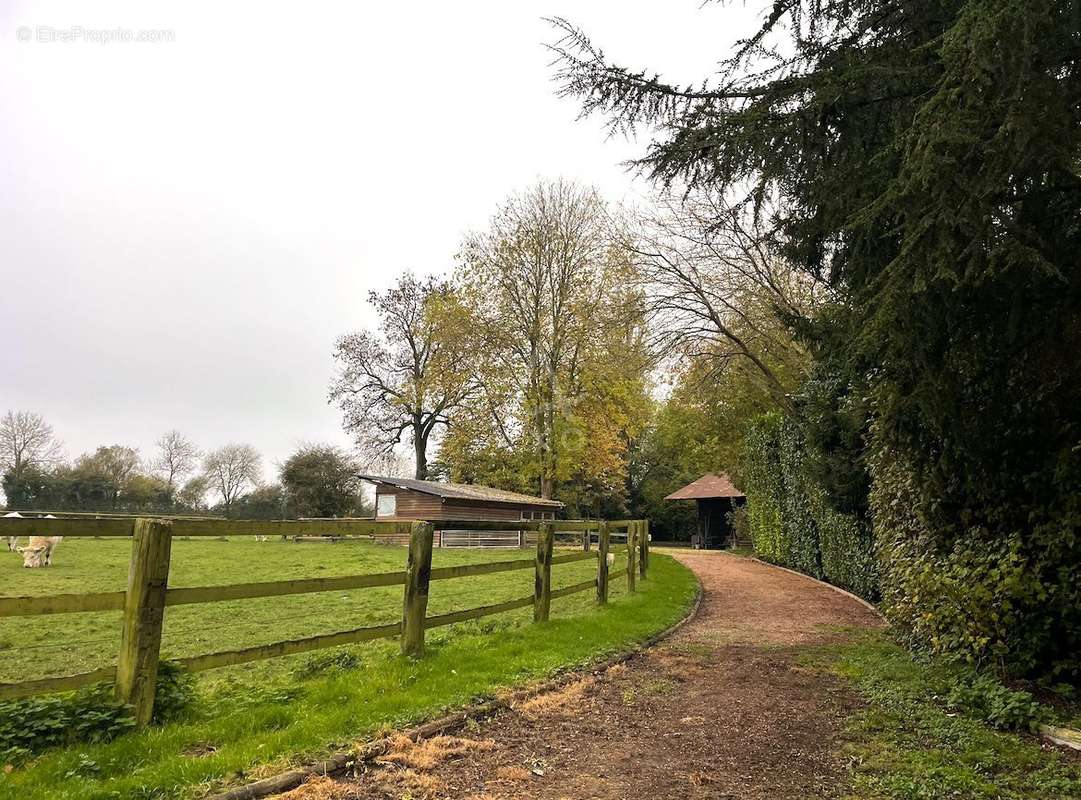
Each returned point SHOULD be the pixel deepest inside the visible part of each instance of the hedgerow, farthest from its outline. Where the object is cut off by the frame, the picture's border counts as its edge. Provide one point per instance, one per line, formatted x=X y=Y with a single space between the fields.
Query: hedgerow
x=1004 y=597
x=792 y=522
x=764 y=488
x=969 y=585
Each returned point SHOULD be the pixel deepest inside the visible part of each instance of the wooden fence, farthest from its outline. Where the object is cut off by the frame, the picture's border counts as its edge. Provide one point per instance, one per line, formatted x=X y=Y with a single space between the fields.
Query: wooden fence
x=147 y=595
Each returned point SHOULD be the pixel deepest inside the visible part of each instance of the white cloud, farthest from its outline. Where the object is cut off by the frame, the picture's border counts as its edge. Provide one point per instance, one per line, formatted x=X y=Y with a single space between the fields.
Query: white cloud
x=186 y=226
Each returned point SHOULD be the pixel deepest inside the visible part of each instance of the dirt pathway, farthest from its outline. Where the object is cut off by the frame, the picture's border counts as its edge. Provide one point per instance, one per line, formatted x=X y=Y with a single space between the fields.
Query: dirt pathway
x=720 y=710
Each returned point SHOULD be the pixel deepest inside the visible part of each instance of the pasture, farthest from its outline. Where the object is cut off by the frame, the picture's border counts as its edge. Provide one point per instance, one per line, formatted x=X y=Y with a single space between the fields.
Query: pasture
x=34 y=647
x=254 y=719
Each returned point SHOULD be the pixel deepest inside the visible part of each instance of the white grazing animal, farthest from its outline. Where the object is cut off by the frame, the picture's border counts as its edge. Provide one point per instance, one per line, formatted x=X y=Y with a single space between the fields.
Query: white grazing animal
x=39 y=552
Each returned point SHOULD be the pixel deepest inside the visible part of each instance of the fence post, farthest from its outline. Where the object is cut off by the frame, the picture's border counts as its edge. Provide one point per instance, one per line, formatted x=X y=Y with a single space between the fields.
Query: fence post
x=418 y=574
x=542 y=581
x=602 y=562
x=643 y=547
x=585 y=539
x=632 y=567
x=144 y=612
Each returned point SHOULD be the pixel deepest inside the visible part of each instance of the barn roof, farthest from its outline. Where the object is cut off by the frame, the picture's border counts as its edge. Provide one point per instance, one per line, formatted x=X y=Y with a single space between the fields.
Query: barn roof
x=710 y=485
x=464 y=491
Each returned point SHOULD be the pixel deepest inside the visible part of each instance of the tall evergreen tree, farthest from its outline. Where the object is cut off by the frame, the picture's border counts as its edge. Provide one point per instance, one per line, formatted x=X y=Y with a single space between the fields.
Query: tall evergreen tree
x=925 y=155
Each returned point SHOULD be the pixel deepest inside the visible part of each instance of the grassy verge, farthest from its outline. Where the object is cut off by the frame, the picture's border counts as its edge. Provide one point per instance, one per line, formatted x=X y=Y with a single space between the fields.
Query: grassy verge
x=248 y=723
x=926 y=734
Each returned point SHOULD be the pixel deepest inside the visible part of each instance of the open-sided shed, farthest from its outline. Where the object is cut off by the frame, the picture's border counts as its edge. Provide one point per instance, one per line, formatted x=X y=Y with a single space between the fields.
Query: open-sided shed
x=408 y=498
x=716 y=496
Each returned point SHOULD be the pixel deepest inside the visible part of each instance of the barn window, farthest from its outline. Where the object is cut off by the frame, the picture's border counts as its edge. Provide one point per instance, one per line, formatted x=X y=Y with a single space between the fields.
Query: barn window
x=386 y=505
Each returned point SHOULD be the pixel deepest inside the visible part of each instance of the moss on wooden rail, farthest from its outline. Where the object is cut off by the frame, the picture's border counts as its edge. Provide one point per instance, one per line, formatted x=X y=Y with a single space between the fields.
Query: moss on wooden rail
x=61 y=604
x=86 y=528
x=286 y=527
x=466 y=570
x=575 y=588
x=227 y=658
x=245 y=591
x=113 y=601
x=477 y=613
x=61 y=683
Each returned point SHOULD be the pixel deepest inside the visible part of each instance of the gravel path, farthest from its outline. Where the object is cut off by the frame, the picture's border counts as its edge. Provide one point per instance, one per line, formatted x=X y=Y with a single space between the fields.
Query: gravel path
x=721 y=709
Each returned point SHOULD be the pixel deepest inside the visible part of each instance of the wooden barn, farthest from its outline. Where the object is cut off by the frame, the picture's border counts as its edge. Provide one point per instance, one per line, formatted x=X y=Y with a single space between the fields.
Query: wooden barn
x=407 y=498
x=716 y=497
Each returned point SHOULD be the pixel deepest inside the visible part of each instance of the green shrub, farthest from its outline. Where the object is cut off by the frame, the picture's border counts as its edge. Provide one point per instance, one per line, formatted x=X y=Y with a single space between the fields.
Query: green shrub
x=847 y=548
x=33 y=724
x=92 y=714
x=739 y=520
x=958 y=586
x=804 y=552
x=981 y=696
x=175 y=692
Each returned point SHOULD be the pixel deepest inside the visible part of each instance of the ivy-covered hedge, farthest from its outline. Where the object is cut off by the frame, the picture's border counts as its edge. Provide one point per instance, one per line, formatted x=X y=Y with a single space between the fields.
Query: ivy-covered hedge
x=1007 y=599
x=969 y=585
x=792 y=522
x=765 y=489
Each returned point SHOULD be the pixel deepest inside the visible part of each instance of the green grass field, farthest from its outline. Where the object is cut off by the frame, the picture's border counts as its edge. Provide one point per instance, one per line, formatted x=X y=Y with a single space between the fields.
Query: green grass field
x=257 y=718
x=41 y=646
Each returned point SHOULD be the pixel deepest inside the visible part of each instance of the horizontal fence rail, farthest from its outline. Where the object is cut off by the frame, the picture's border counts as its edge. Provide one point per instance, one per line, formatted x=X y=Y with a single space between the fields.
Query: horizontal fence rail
x=123 y=526
x=147 y=596
x=229 y=658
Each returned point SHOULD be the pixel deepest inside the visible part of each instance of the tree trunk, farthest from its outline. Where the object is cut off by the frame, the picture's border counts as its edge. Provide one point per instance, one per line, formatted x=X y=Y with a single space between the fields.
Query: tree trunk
x=420 y=450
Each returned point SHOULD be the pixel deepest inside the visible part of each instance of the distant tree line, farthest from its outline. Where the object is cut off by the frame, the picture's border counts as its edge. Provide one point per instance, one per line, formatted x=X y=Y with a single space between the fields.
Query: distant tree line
x=315 y=481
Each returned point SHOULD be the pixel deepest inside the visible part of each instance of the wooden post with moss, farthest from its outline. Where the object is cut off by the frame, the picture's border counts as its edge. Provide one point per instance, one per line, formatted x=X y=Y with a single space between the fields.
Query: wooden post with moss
x=144 y=613
x=643 y=547
x=603 y=541
x=542 y=581
x=632 y=567
x=418 y=574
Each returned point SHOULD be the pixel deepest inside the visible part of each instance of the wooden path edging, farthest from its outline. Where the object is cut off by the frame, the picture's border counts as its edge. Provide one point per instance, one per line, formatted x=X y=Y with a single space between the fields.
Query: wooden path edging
x=347 y=760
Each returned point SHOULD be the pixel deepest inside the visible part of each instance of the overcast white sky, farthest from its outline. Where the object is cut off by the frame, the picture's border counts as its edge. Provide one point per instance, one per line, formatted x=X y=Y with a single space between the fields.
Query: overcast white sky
x=187 y=226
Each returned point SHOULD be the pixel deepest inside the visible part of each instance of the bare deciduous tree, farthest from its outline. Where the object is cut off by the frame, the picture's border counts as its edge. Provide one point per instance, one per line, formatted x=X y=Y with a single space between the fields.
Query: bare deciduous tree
x=716 y=288
x=230 y=470
x=177 y=456
x=402 y=381
x=27 y=440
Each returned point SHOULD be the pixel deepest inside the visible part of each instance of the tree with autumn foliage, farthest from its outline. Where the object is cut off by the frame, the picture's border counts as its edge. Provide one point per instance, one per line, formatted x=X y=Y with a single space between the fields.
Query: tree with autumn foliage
x=400 y=382
x=556 y=346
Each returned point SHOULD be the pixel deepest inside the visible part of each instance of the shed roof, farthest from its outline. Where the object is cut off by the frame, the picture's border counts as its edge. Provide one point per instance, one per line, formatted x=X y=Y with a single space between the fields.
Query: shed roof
x=710 y=485
x=464 y=491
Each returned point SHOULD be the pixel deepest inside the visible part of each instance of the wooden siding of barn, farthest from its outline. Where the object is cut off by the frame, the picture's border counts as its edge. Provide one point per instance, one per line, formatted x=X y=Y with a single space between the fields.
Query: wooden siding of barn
x=418 y=505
